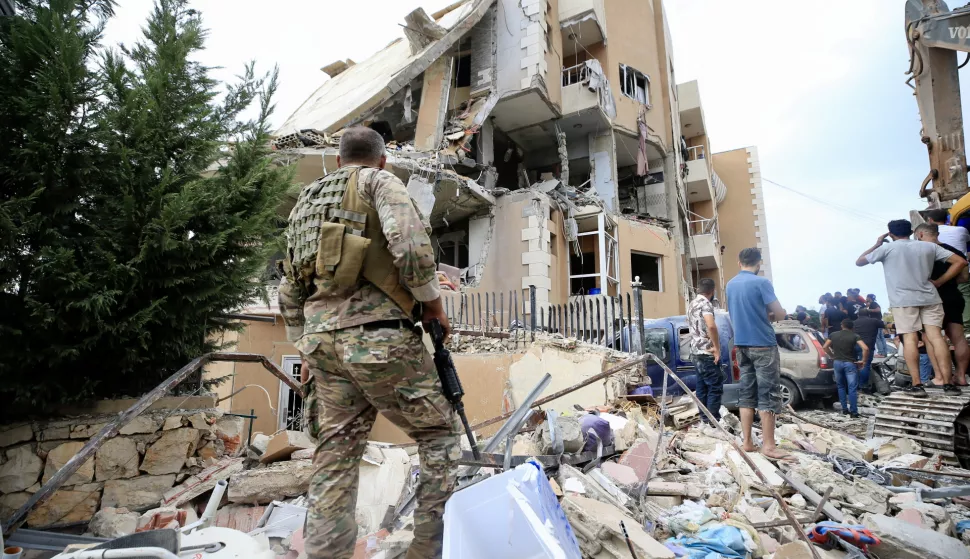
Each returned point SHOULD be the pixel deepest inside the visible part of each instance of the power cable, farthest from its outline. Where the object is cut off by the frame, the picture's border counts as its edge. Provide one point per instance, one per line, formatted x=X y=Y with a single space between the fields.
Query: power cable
x=854 y=212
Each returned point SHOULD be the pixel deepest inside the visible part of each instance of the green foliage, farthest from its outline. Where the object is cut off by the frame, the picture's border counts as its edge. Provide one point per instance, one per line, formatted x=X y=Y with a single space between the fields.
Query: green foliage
x=126 y=224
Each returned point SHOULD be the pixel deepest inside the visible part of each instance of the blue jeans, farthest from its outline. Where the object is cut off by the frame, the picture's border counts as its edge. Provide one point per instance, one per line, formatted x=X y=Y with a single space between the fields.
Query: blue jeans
x=866 y=370
x=710 y=384
x=881 y=342
x=760 y=378
x=925 y=368
x=847 y=379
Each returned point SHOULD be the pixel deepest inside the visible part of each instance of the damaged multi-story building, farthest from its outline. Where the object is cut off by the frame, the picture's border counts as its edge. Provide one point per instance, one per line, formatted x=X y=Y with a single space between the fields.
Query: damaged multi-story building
x=556 y=155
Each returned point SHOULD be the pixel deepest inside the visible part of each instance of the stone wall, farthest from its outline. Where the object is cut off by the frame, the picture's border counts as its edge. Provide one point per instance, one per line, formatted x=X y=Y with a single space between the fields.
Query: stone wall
x=150 y=455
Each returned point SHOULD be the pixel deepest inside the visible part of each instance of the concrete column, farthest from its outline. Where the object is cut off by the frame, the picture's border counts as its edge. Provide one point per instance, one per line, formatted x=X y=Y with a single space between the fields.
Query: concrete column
x=434 y=104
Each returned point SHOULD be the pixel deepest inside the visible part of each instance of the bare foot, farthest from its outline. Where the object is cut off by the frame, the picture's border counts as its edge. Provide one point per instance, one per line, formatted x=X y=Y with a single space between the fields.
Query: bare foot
x=775 y=453
x=749 y=447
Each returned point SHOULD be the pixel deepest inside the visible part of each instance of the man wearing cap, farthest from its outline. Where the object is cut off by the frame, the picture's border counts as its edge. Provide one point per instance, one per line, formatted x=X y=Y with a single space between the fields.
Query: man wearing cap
x=913 y=298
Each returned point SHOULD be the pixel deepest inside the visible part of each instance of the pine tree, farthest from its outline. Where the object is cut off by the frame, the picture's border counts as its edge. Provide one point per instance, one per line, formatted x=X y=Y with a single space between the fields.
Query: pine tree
x=167 y=223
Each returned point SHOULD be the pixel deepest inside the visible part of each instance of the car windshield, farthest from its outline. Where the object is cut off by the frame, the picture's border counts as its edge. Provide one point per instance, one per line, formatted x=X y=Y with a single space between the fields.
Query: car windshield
x=656 y=342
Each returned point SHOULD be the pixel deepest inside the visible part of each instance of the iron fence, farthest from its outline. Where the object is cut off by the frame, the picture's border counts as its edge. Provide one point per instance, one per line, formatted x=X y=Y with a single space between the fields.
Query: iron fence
x=604 y=320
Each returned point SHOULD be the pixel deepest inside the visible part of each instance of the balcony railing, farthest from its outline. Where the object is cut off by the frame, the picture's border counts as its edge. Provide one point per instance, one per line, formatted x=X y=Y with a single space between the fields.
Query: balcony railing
x=575 y=74
x=695 y=153
x=704 y=226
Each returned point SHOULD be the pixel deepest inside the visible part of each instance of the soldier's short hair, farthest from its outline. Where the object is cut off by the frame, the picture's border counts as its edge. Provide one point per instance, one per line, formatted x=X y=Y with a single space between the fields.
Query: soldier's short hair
x=750 y=256
x=705 y=286
x=361 y=145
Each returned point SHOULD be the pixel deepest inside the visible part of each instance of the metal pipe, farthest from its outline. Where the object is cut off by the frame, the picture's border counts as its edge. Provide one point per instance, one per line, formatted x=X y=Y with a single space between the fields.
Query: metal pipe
x=599 y=322
x=127 y=553
x=246 y=317
x=532 y=307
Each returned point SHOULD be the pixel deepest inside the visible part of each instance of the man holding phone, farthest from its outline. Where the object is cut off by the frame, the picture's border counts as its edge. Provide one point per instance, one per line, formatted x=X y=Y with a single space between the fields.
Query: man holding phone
x=913 y=298
x=705 y=348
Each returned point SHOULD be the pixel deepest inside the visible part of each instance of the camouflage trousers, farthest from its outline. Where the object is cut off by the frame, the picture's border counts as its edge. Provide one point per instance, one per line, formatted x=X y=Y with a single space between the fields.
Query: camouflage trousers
x=358 y=372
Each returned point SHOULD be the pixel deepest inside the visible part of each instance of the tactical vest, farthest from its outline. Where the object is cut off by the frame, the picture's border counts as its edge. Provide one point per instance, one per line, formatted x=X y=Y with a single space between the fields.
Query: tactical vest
x=333 y=233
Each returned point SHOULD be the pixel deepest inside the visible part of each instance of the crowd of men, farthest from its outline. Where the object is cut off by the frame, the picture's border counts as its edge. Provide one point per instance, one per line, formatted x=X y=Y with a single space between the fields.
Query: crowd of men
x=923 y=280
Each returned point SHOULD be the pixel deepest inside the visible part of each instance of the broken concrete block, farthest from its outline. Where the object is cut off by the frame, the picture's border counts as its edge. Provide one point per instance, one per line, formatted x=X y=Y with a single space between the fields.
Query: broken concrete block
x=902 y=540
x=665 y=501
x=764 y=466
x=113 y=523
x=285 y=443
x=901 y=499
x=568 y=430
x=13 y=434
x=199 y=421
x=302 y=454
x=274 y=483
x=214 y=450
x=622 y=476
x=136 y=493
x=167 y=455
x=898 y=447
x=799 y=550
x=172 y=422
x=140 y=424
x=201 y=482
x=60 y=455
x=913 y=517
x=231 y=430
x=116 y=459
x=260 y=442
x=863 y=493
x=76 y=504
x=162 y=518
x=638 y=457
x=21 y=470
x=597 y=529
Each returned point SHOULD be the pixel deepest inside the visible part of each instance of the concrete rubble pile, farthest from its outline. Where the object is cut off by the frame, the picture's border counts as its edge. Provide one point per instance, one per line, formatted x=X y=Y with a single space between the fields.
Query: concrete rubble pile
x=628 y=479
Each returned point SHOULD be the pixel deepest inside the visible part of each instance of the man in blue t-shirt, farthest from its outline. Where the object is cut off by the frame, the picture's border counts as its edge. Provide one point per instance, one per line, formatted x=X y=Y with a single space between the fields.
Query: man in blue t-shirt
x=753 y=307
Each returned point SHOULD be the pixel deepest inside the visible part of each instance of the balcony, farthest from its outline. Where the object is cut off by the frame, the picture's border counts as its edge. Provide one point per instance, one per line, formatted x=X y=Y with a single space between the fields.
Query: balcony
x=691 y=111
x=705 y=244
x=576 y=94
x=583 y=23
x=698 y=182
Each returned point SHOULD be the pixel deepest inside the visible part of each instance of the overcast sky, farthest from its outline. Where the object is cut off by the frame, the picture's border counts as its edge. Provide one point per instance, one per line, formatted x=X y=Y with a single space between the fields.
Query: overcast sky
x=817 y=86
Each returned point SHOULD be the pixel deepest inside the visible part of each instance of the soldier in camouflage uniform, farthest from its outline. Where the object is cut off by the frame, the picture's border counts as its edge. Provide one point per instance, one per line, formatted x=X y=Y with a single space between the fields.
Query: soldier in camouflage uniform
x=359 y=261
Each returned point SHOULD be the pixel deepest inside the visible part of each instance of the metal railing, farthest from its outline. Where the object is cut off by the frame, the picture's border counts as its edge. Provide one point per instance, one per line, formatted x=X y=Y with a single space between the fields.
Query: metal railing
x=703 y=226
x=575 y=74
x=603 y=320
x=695 y=153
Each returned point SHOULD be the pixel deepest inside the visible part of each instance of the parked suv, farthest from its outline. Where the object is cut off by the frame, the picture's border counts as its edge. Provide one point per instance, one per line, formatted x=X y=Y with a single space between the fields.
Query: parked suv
x=806 y=372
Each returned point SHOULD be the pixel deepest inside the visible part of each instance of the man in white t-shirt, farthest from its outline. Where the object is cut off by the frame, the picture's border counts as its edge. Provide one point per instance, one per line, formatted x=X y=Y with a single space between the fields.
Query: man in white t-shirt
x=958 y=238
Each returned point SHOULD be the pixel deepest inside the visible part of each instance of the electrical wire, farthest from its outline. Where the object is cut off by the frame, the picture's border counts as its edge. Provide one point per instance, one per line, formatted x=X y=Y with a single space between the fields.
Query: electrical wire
x=854 y=212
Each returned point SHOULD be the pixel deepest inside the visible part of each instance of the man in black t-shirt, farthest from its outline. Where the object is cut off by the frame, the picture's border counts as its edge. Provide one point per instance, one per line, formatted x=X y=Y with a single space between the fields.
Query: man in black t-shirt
x=832 y=318
x=842 y=346
x=867 y=327
x=953 y=304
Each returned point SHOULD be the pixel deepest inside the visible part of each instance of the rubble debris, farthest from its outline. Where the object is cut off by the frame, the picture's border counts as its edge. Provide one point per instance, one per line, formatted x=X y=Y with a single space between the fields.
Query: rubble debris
x=902 y=540
x=303 y=454
x=284 y=444
x=282 y=519
x=21 y=470
x=275 y=482
x=260 y=442
x=201 y=482
x=161 y=518
x=110 y=522
x=568 y=432
x=167 y=455
x=597 y=528
x=136 y=493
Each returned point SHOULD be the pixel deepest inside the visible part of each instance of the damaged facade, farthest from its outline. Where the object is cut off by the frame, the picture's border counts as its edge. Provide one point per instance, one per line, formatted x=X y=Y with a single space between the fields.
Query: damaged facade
x=552 y=149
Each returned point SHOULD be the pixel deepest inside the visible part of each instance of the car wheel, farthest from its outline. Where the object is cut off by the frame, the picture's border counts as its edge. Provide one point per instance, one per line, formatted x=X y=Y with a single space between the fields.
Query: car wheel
x=789 y=393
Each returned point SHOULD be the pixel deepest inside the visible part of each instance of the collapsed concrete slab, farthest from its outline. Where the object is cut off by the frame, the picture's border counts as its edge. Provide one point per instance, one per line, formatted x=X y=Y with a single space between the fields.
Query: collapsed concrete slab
x=201 y=482
x=273 y=483
x=902 y=540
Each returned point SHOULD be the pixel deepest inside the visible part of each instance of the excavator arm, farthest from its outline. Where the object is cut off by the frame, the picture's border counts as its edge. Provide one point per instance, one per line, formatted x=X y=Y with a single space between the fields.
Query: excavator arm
x=934 y=35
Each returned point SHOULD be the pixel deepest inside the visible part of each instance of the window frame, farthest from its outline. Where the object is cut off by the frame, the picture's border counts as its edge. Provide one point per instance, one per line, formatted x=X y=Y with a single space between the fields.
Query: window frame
x=660 y=269
x=630 y=85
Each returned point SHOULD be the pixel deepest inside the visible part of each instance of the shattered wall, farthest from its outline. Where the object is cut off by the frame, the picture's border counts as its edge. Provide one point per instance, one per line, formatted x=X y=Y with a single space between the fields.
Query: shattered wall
x=484 y=47
x=497 y=382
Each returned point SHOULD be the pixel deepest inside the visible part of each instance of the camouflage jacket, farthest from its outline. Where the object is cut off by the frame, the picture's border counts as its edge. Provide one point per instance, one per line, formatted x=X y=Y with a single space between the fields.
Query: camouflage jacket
x=319 y=305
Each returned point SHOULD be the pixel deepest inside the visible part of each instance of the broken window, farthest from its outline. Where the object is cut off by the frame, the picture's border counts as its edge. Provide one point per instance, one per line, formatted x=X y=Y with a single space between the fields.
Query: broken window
x=584 y=265
x=453 y=252
x=649 y=268
x=463 y=71
x=635 y=84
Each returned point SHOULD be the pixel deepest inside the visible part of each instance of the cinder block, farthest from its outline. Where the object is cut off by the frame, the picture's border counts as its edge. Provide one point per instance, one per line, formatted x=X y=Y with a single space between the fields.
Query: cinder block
x=531 y=233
